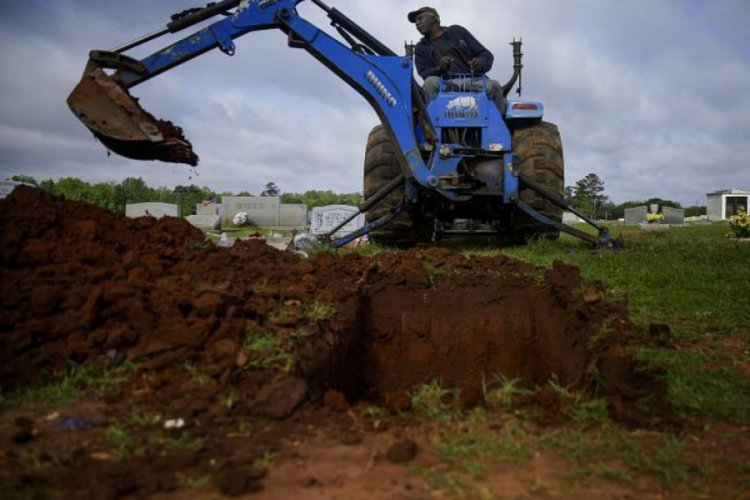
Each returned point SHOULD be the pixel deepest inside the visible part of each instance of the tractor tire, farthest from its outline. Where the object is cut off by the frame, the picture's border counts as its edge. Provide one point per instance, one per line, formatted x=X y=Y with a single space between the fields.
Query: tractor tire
x=539 y=149
x=381 y=167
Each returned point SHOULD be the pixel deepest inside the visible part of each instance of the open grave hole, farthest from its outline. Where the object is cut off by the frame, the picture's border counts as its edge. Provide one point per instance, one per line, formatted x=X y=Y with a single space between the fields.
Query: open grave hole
x=472 y=324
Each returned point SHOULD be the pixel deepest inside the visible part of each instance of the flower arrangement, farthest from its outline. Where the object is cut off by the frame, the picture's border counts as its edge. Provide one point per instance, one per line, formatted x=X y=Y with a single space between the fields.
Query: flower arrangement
x=740 y=224
x=654 y=218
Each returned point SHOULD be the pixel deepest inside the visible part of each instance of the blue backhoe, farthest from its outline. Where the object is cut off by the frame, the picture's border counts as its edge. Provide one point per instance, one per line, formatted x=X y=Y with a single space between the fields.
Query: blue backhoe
x=457 y=165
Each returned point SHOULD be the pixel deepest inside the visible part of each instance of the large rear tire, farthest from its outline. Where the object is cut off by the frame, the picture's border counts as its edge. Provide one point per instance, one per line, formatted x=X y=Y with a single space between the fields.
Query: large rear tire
x=381 y=167
x=539 y=149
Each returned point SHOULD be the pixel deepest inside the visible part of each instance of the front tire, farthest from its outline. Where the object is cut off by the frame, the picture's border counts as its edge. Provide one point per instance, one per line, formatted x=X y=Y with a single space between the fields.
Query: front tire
x=381 y=167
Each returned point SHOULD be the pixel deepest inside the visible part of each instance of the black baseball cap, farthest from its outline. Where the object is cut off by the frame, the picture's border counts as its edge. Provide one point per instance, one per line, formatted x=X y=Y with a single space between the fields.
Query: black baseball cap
x=413 y=14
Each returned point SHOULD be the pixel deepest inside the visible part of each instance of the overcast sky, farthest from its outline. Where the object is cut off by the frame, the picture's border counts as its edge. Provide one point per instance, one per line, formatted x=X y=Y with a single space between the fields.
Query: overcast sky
x=651 y=95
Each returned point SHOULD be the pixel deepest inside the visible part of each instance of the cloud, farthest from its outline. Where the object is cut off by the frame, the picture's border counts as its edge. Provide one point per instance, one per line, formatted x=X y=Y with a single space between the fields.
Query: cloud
x=652 y=97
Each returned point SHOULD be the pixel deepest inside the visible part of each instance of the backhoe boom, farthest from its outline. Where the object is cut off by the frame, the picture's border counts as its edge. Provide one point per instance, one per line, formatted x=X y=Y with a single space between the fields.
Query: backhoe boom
x=385 y=80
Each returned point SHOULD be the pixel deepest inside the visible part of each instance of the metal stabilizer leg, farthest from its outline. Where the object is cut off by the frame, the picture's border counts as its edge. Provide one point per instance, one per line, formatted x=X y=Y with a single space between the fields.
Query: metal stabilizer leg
x=392 y=214
x=603 y=240
x=374 y=200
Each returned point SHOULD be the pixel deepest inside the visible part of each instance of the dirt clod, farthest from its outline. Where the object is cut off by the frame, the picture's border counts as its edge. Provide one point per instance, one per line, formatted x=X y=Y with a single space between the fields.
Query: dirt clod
x=402 y=452
x=398 y=402
x=335 y=401
x=279 y=399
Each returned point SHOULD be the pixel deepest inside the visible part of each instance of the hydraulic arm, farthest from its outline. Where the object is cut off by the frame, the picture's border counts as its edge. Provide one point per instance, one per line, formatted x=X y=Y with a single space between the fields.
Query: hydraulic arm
x=102 y=102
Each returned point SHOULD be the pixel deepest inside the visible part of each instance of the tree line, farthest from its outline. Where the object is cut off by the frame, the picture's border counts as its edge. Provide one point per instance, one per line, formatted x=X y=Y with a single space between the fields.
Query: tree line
x=115 y=196
x=588 y=195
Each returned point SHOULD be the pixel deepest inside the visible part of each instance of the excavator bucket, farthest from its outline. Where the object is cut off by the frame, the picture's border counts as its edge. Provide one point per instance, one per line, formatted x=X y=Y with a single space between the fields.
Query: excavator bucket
x=123 y=126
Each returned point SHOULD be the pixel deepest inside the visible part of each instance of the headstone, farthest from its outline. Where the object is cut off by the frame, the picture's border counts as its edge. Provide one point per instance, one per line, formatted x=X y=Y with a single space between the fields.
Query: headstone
x=645 y=226
x=325 y=219
x=673 y=216
x=293 y=216
x=635 y=216
x=263 y=211
x=207 y=209
x=278 y=241
x=205 y=222
x=571 y=218
x=157 y=210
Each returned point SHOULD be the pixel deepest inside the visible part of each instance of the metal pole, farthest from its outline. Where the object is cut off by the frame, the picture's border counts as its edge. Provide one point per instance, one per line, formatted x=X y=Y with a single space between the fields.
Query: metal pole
x=141 y=40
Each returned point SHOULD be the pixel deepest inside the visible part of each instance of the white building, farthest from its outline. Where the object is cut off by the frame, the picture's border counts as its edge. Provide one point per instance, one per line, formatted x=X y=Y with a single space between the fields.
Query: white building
x=723 y=204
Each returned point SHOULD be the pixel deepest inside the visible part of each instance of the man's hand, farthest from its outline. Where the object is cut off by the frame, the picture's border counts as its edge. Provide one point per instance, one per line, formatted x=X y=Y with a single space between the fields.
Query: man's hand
x=445 y=63
x=475 y=65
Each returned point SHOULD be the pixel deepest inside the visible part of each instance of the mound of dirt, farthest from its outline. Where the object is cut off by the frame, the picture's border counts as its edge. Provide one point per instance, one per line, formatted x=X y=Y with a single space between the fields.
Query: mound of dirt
x=80 y=284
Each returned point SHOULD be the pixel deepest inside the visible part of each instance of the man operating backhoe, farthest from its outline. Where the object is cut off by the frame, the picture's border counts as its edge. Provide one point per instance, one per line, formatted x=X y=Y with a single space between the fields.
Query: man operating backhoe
x=451 y=50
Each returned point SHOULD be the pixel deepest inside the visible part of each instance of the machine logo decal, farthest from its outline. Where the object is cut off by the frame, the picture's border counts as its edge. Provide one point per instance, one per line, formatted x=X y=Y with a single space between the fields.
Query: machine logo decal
x=462 y=107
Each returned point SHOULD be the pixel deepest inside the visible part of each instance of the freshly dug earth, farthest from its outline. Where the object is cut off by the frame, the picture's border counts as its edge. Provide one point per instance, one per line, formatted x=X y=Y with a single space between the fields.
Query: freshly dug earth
x=80 y=285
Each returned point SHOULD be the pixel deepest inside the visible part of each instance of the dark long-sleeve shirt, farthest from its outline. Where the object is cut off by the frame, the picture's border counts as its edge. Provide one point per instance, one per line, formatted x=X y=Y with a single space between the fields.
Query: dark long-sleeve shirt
x=456 y=42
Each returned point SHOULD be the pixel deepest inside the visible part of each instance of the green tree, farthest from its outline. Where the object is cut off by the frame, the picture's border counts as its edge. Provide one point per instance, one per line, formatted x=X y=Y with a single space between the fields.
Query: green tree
x=316 y=198
x=72 y=189
x=135 y=190
x=24 y=178
x=663 y=203
x=589 y=197
x=103 y=194
x=695 y=211
x=188 y=197
x=271 y=190
x=569 y=195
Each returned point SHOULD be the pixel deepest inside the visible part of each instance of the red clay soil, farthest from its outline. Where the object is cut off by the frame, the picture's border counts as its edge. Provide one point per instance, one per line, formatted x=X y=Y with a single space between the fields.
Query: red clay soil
x=79 y=284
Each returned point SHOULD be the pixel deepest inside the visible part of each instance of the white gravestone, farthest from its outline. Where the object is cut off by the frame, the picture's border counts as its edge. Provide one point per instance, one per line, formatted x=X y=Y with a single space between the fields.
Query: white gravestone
x=635 y=216
x=674 y=216
x=205 y=222
x=207 y=209
x=263 y=211
x=325 y=219
x=157 y=210
x=293 y=216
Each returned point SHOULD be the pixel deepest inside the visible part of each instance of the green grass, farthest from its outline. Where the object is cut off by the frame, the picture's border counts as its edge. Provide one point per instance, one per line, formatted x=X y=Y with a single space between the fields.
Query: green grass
x=319 y=311
x=269 y=349
x=579 y=408
x=470 y=443
x=434 y=402
x=185 y=481
x=265 y=461
x=80 y=382
x=704 y=384
x=141 y=434
x=372 y=411
x=502 y=391
x=197 y=376
x=618 y=454
x=443 y=483
x=692 y=278
x=692 y=274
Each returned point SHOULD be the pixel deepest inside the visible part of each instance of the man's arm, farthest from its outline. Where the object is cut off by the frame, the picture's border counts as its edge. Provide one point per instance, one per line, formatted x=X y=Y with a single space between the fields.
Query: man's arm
x=478 y=51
